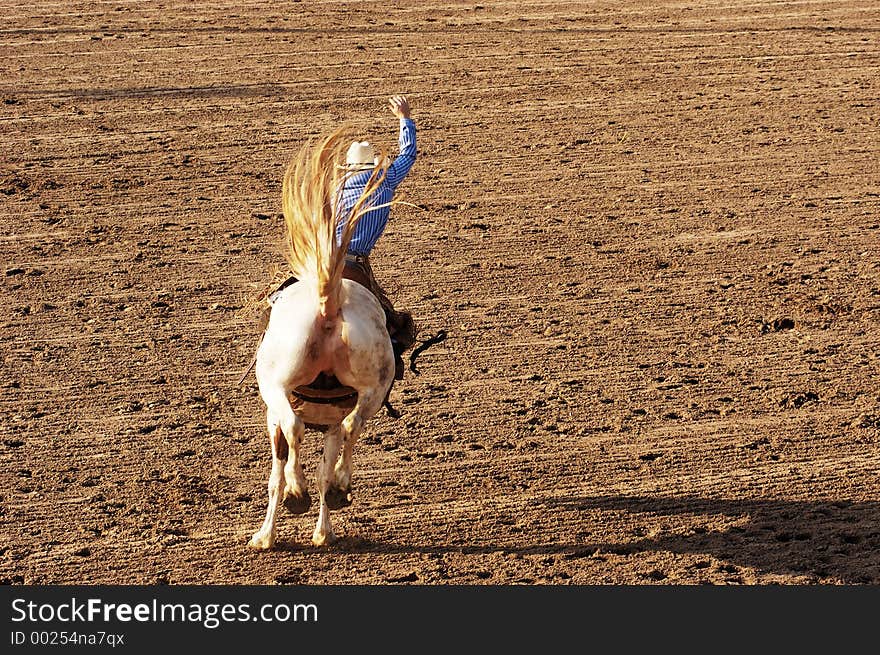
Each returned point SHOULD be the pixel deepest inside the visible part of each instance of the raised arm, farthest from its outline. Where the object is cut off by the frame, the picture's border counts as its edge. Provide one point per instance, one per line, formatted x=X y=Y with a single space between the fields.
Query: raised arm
x=406 y=141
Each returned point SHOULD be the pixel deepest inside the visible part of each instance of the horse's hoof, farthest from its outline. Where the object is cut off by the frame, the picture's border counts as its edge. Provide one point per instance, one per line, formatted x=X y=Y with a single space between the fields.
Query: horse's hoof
x=337 y=498
x=323 y=539
x=298 y=504
x=262 y=541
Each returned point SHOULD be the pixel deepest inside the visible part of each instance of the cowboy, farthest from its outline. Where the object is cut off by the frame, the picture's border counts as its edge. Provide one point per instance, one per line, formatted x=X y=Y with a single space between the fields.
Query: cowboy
x=360 y=162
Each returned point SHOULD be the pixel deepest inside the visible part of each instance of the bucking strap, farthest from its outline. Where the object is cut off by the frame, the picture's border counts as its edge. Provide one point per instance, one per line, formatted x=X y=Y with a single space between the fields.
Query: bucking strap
x=309 y=394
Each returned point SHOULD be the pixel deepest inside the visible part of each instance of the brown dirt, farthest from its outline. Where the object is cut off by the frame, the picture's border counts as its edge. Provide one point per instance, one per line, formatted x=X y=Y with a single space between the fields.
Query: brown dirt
x=650 y=230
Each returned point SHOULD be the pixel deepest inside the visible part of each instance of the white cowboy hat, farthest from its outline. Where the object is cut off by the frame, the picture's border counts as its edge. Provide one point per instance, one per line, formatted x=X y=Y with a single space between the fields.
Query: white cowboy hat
x=360 y=156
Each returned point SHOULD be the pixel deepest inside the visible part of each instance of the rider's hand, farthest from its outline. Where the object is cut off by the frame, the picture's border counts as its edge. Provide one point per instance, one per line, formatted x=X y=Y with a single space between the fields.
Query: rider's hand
x=399 y=106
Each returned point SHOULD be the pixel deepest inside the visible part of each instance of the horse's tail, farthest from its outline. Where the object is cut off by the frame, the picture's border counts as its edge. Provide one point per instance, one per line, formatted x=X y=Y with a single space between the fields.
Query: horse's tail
x=311 y=199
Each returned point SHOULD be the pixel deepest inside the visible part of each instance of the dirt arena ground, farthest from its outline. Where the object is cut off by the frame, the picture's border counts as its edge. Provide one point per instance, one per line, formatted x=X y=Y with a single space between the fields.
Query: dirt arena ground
x=650 y=230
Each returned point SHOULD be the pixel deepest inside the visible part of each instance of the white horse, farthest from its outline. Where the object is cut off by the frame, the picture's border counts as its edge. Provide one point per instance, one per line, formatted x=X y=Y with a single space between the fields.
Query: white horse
x=326 y=324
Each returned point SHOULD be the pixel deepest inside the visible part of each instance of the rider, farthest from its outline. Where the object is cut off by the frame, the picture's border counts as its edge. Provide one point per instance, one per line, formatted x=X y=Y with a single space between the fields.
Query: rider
x=360 y=162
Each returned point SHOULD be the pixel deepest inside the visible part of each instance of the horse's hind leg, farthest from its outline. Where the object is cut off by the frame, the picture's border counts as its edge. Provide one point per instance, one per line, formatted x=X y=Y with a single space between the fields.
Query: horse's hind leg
x=285 y=436
x=264 y=538
x=296 y=494
x=369 y=403
x=334 y=477
x=323 y=533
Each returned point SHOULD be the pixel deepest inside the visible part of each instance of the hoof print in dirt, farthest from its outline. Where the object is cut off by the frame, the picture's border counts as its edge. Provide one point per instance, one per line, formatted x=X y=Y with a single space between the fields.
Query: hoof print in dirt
x=777 y=325
x=796 y=401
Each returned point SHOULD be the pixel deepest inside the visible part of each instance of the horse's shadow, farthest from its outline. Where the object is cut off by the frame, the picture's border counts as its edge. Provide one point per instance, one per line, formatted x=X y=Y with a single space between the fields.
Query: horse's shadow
x=821 y=540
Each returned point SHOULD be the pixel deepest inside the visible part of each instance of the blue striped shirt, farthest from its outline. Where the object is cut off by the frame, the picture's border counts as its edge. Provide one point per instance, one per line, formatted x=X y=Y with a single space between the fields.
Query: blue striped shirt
x=372 y=224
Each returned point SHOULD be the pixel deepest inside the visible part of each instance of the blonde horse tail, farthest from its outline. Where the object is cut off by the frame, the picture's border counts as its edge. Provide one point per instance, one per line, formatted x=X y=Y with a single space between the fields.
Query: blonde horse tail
x=311 y=206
